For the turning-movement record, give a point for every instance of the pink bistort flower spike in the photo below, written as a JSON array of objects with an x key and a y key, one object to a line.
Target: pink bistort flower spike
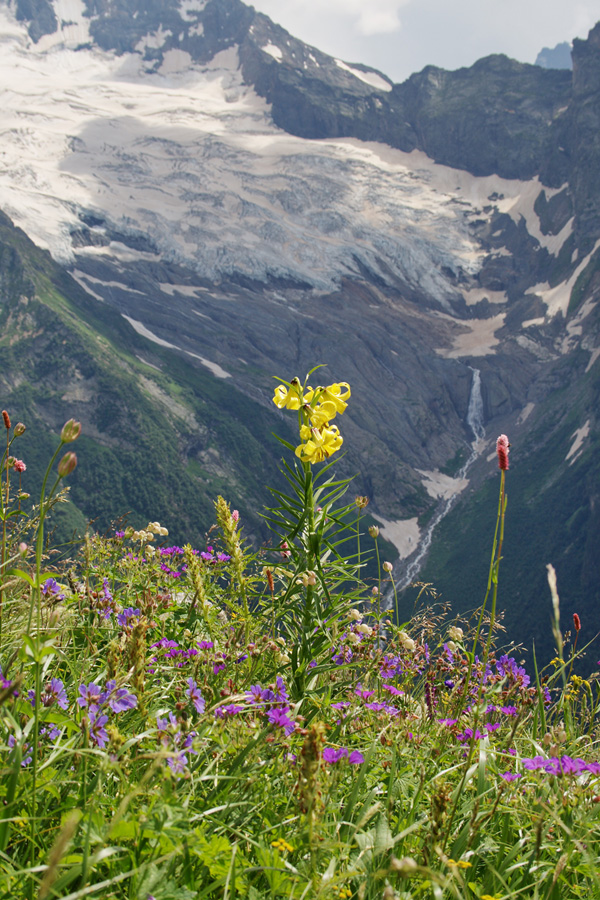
[{"x": 502, "y": 448}]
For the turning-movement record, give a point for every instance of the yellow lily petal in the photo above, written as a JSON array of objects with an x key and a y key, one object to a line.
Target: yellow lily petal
[{"x": 287, "y": 397}]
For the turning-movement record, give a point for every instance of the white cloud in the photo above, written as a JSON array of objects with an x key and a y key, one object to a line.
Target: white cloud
[{"x": 366, "y": 18}]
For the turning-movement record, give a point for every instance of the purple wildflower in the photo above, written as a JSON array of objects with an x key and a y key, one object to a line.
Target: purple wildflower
[
  {"x": 279, "y": 718},
  {"x": 90, "y": 695},
  {"x": 510, "y": 776},
  {"x": 26, "y": 760},
  {"x": 127, "y": 614},
  {"x": 119, "y": 699},
  {"x": 254, "y": 695},
  {"x": 98, "y": 732},
  {"x": 193, "y": 692},
  {"x": 51, "y": 588},
  {"x": 177, "y": 762},
  {"x": 223, "y": 712}
]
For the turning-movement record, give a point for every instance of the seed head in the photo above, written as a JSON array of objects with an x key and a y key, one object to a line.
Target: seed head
[
  {"x": 576, "y": 622},
  {"x": 6, "y": 418}
]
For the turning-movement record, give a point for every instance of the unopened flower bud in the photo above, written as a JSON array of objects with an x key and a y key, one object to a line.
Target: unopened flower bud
[
  {"x": 451, "y": 646},
  {"x": 235, "y": 515},
  {"x": 387, "y": 567},
  {"x": 19, "y": 429},
  {"x": 373, "y": 531},
  {"x": 364, "y": 629},
  {"x": 361, "y": 502},
  {"x": 70, "y": 431},
  {"x": 353, "y": 638},
  {"x": 22, "y": 548},
  {"x": 576, "y": 622},
  {"x": 6, "y": 418},
  {"x": 67, "y": 464},
  {"x": 455, "y": 633},
  {"x": 354, "y": 614},
  {"x": 10, "y": 462},
  {"x": 375, "y": 590}
]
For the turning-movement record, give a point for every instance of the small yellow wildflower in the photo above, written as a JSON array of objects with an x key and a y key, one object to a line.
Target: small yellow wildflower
[
  {"x": 344, "y": 893},
  {"x": 281, "y": 845},
  {"x": 460, "y": 864},
  {"x": 489, "y": 897}
]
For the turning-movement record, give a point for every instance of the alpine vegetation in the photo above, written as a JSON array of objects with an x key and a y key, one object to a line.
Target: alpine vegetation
[{"x": 222, "y": 721}]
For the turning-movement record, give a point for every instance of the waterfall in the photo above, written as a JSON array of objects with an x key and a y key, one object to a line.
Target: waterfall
[
  {"x": 476, "y": 424},
  {"x": 475, "y": 409}
]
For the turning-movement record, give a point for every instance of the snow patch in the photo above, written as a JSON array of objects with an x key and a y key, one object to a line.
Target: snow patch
[
  {"x": 187, "y": 290},
  {"x": 145, "y": 332},
  {"x": 442, "y": 486},
  {"x": 524, "y": 414},
  {"x": 73, "y": 26},
  {"x": 403, "y": 534},
  {"x": 594, "y": 354},
  {"x": 557, "y": 298},
  {"x": 175, "y": 61},
  {"x": 153, "y": 41},
  {"x": 370, "y": 78},
  {"x": 475, "y": 295},
  {"x": 273, "y": 51},
  {"x": 477, "y": 339},
  {"x": 214, "y": 367},
  {"x": 189, "y": 9},
  {"x": 576, "y": 447}
]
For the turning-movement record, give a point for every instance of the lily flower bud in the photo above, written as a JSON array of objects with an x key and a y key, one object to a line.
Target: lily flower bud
[
  {"x": 70, "y": 431},
  {"x": 67, "y": 464}
]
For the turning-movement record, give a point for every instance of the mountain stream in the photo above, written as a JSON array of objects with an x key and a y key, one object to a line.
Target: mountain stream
[{"x": 475, "y": 423}]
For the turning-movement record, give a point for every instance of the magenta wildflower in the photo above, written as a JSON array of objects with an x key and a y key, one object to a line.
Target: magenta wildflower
[
  {"x": 502, "y": 449},
  {"x": 510, "y": 776},
  {"x": 332, "y": 756},
  {"x": 392, "y": 689}
]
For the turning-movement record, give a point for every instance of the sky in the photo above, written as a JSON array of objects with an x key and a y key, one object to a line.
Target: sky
[{"x": 400, "y": 37}]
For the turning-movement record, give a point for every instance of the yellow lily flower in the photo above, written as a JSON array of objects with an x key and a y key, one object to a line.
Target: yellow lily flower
[
  {"x": 320, "y": 445},
  {"x": 290, "y": 398},
  {"x": 322, "y": 414},
  {"x": 336, "y": 394}
]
